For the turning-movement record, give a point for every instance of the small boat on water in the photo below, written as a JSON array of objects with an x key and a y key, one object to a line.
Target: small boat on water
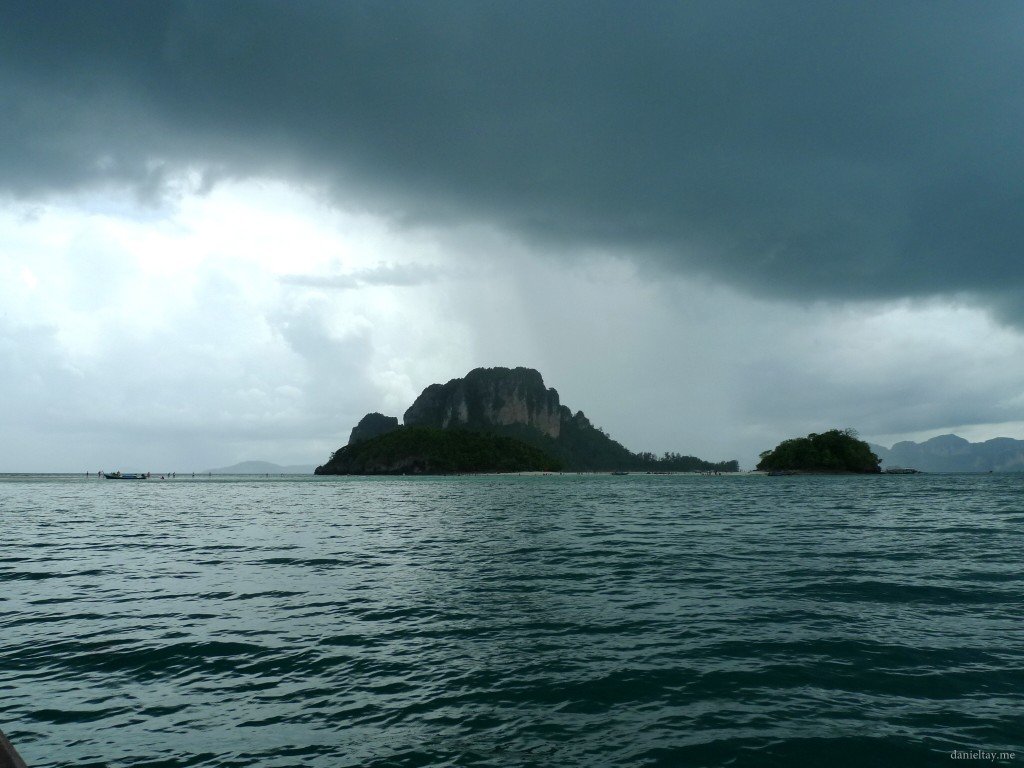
[{"x": 125, "y": 476}]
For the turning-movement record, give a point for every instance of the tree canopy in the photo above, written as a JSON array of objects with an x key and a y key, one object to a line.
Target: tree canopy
[
  {"x": 425, "y": 450},
  {"x": 837, "y": 450}
]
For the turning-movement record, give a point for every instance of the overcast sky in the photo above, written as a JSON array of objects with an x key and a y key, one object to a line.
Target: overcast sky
[{"x": 230, "y": 229}]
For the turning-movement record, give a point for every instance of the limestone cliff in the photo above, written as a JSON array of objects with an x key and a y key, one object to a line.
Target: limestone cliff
[{"x": 490, "y": 397}]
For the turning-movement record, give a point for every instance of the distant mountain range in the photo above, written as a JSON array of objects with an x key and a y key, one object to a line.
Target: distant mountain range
[
  {"x": 262, "y": 468},
  {"x": 951, "y": 453}
]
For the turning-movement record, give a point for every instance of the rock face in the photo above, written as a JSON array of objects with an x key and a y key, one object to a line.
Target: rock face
[
  {"x": 372, "y": 425},
  {"x": 490, "y": 397}
]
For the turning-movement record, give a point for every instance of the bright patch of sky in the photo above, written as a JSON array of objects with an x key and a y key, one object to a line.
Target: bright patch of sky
[{"x": 257, "y": 321}]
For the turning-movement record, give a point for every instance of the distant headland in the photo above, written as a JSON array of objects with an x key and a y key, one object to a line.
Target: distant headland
[
  {"x": 260, "y": 468},
  {"x": 951, "y": 453},
  {"x": 494, "y": 420}
]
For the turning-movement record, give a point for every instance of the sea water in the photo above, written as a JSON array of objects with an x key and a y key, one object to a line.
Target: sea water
[{"x": 561, "y": 620}]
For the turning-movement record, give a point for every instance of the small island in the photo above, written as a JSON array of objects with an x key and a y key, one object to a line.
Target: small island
[
  {"x": 494, "y": 420},
  {"x": 835, "y": 451}
]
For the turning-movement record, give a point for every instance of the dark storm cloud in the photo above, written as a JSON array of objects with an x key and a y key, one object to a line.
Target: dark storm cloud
[{"x": 796, "y": 149}]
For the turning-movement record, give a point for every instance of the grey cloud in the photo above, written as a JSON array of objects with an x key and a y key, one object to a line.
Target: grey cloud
[
  {"x": 183, "y": 397},
  {"x": 862, "y": 150},
  {"x": 394, "y": 275},
  {"x": 926, "y": 394}
]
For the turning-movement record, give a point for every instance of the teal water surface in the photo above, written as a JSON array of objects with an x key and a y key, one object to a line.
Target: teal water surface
[{"x": 512, "y": 620}]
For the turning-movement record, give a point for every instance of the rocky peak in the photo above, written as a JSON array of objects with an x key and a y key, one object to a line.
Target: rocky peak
[
  {"x": 947, "y": 444},
  {"x": 372, "y": 425},
  {"x": 489, "y": 397}
]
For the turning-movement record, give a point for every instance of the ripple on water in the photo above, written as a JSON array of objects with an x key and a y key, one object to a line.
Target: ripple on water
[{"x": 661, "y": 620}]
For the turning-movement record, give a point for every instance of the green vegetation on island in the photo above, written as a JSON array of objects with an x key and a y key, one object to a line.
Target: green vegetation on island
[
  {"x": 582, "y": 447},
  {"x": 430, "y": 451},
  {"x": 837, "y": 450}
]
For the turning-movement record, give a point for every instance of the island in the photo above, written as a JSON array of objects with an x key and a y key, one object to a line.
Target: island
[
  {"x": 494, "y": 420},
  {"x": 835, "y": 451}
]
